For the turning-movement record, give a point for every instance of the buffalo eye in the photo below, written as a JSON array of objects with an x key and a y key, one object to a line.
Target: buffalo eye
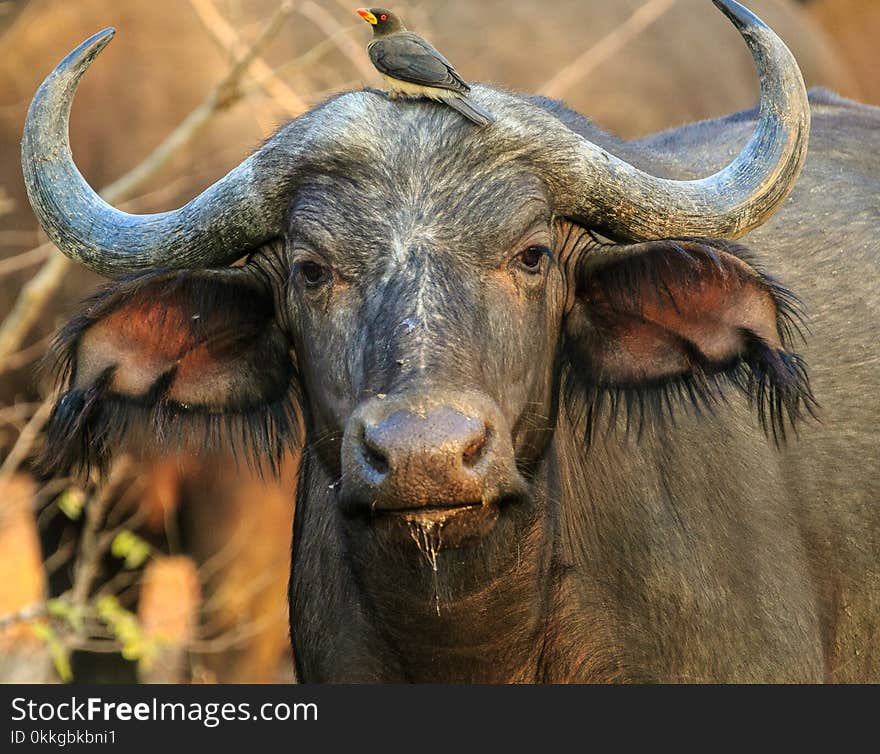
[
  {"x": 531, "y": 260},
  {"x": 312, "y": 274}
]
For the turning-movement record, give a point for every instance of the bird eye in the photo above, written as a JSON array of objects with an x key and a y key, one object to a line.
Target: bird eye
[
  {"x": 383, "y": 17},
  {"x": 530, "y": 260},
  {"x": 313, "y": 274}
]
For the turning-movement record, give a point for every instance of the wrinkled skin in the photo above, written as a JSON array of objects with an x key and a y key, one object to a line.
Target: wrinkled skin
[{"x": 417, "y": 295}]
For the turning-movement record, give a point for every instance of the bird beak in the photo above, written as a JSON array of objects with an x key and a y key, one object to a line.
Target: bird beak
[{"x": 367, "y": 16}]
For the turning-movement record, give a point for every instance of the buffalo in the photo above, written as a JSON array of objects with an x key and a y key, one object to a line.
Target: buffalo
[
  {"x": 559, "y": 424},
  {"x": 648, "y": 84}
]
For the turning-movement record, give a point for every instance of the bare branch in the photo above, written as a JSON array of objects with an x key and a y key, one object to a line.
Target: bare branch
[
  {"x": 27, "y": 355},
  {"x": 17, "y": 412},
  {"x": 30, "y": 612},
  {"x": 25, "y": 259},
  {"x": 29, "y": 305},
  {"x": 7, "y": 204},
  {"x": 225, "y": 94},
  {"x": 93, "y": 545},
  {"x": 584, "y": 65},
  {"x": 58, "y": 558},
  {"x": 239, "y": 634},
  {"x": 26, "y": 439},
  {"x": 308, "y": 58},
  {"x": 223, "y": 33},
  {"x": 332, "y": 28}
]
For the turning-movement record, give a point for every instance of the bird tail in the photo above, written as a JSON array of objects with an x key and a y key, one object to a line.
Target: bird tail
[{"x": 470, "y": 110}]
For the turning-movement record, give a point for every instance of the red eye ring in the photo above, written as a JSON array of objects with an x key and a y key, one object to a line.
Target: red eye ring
[{"x": 383, "y": 17}]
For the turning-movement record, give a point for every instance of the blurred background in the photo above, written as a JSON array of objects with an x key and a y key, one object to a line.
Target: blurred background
[{"x": 175, "y": 569}]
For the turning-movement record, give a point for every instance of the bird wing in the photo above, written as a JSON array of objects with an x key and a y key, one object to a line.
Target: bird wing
[{"x": 407, "y": 57}]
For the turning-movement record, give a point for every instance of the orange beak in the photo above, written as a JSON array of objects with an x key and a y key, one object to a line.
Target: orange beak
[{"x": 367, "y": 16}]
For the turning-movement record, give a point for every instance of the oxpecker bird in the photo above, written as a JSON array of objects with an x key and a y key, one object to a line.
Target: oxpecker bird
[{"x": 413, "y": 68}]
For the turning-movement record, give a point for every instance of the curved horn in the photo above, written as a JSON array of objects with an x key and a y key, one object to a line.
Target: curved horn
[
  {"x": 218, "y": 226},
  {"x": 599, "y": 189}
]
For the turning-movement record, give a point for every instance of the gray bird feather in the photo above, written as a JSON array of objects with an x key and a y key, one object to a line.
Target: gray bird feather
[{"x": 407, "y": 57}]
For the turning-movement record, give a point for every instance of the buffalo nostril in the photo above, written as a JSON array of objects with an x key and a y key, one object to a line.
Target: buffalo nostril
[
  {"x": 476, "y": 448},
  {"x": 374, "y": 455}
]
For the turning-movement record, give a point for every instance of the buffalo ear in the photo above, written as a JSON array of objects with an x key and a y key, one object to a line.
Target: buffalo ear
[
  {"x": 193, "y": 361},
  {"x": 663, "y": 321}
]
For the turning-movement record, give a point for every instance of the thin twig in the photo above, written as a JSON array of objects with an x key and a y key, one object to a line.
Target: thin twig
[
  {"x": 26, "y": 439},
  {"x": 25, "y": 259},
  {"x": 7, "y": 204},
  {"x": 27, "y": 355},
  {"x": 37, "y": 292},
  {"x": 258, "y": 585},
  {"x": 582, "y": 66},
  {"x": 93, "y": 546},
  {"x": 354, "y": 51},
  {"x": 225, "y": 94},
  {"x": 29, "y": 304},
  {"x": 17, "y": 412},
  {"x": 307, "y": 59},
  {"x": 30, "y": 612},
  {"x": 59, "y": 557},
  {"x": 237, "y": 635},
  {"x": 223, "y": 33}
]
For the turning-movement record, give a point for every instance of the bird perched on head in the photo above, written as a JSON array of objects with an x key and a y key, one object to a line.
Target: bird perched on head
[{"x": 413, "y": 68}]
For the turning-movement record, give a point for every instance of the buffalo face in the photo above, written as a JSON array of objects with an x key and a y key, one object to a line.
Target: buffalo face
[{"x": 427, "y": 332}]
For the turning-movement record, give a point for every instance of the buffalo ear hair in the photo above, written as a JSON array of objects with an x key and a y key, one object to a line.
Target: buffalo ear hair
[
  {"x": 192, "y": 362},
  {"x": 661, "y": 326}
]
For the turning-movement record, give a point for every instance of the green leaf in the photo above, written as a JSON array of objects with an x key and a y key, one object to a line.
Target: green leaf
[
  {"x": 125, "y": 627},
  {"x": 58, "y": 608},
  {"x": 61, "y": 661},
  {"x": 57, "y": 650},
  {"x": 107, "y": 606},
  {"x": 138, "y": 554},
  {"x": 121, "y": 544},
  {"x": 71, "y": 503},
  {"x": 43, "y": 631},
  {"x": 70, "y": 614},
  {"x": 129, "y": 547}
]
